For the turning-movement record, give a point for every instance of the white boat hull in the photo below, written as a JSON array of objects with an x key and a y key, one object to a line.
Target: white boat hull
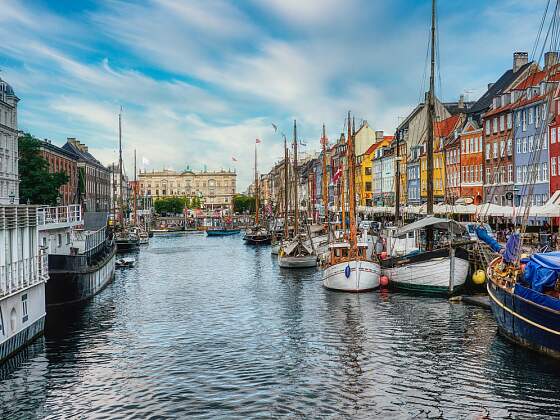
[
  {"x": 306, "y": 261},
  {"x": 361, "y": 276},
  {"x": 429, "y": 276},
  {"x": 274, "y": 249}
]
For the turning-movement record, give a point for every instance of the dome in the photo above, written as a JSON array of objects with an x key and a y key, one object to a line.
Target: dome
[{"x": 6, "y": 88}]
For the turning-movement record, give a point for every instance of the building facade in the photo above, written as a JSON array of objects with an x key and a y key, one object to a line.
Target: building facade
[
  {"x": 61, "y": 160},
  {"x": 452, "y": 168},
  {"x": 472, "y": 162},
  {"x": 95, "y": 189},
  {"x": 9, "y": 184},
  {"x": 215, "y": 189}
]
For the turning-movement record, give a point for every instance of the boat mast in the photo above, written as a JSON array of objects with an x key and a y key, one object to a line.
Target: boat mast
[
  {"x": 351, "y": 185},
  {"x": 286, "y": 195},
  {"x": 256, "y": 190},
  {"x": 324, "y": 178},
  {"x": 398, "y": 183},
  {"x": 121, "y": 215},
  {"x": 430, "y": 119},
  {"x": 296, "y": 204},
  {"x": 134, "y": 190}
]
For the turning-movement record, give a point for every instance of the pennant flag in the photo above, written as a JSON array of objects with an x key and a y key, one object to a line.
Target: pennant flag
[
  {"x": 337, "y": 175},
  {"x": 257, "y": 141},
  {"x": 275, "y": 127},
  {"x": 233, "y": 158}
]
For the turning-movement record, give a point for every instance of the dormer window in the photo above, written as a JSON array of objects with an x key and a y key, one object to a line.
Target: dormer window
[{"x": 529, "y": 93}]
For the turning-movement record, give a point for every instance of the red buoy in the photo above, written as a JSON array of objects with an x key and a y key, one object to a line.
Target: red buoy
[{"x": 384, "y": 281}]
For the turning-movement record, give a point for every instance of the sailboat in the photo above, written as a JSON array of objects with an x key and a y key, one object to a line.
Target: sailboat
[
  {"x": 257, "y": 234},
  {"x": 125, "y": 239},
  {"x": 436, "y": 269},
  {"x": 348, "y": 267},
  {"x": 297, "y": 252}
]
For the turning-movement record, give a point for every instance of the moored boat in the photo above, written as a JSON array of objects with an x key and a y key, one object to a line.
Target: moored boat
[
  {"x": 526, "y": 306},
  {"x": 222, "y": 232}
]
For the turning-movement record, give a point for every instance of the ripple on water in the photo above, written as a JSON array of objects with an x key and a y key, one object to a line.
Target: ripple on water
[{"x": 212, "y": 328}]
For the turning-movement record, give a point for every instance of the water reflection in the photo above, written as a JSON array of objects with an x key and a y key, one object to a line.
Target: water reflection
[{"x": 210, "y": 327}]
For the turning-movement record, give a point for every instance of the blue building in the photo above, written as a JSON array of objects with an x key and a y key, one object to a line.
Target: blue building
[
  {"x": 413, "y": 175},
  {"x": 531, "y": 141}
]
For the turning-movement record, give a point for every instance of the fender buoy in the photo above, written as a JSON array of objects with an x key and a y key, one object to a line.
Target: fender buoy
[{"x": 347, "y": 271}]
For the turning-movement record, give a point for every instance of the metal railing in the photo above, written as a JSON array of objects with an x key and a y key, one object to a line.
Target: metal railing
[
  {"x": 23, "y": 273},
  {"x": 61, "y": 214}
]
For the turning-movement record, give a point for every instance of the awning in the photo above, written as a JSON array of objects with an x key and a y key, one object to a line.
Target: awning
[{"x": 435, "y": 222}]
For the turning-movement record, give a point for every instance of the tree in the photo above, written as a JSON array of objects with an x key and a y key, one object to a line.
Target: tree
[
  {"x": 173, "y": 205},
  {"x": 243, "y": 203},
  {"x": 37, "y": 184}
]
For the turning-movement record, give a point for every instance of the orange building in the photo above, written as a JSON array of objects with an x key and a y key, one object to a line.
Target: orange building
[{"x": 472, "y": 162}]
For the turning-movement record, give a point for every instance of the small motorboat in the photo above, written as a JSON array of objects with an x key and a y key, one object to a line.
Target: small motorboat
[
  {"x": 125, "y": 262},
  {"x": 222, "y": 232}
]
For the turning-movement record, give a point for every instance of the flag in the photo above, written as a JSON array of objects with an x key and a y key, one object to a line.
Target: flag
[
  {"x": 257, "y": 141},
  {"x": 145, "y": 161},
  {"x": 275, "y": 127},
  {"x": 337, "y": 175},
  {"x": 233, "y": 158}
]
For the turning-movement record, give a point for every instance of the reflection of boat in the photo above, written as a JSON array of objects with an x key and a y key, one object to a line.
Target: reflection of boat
[
  {"x": 527, "y": 307},
  {"x": 125, "y": 262},
  {"x": 222, "y": 232}
]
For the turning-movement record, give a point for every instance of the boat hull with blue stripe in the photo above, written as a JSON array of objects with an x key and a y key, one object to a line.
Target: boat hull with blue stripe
[
  {"x": 222, "y": 232},
  {"x": 525, "y": 316}
]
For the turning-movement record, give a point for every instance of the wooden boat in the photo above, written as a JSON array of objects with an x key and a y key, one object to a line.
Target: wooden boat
[
  {"x": 222, "y": 232},
  {"x": 348, "y": 268},
  {"x": 525, "y": 313},
  {"x": 125, "y": 262},
  {"x": 442, "y": 271},
  {"x": 298, "y": 251}
]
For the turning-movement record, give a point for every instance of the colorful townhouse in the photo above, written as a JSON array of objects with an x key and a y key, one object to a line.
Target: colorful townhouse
[
  {"x": 471, "y": 162},
  {"x": 366, "y": 173},
  {"x": 554, "y": 148},
  {"x": 413, "y": 175},
  {"x": 531, "y": 140},
  {"x": 452, "y": 148}
]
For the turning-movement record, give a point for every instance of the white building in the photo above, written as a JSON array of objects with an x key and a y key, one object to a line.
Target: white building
[{"x": 9, "y": 186}]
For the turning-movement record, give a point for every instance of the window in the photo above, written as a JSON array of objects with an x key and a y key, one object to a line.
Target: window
[
  {"x": 545, "y": 171},
  {"x": 59, "y": 239},
  {"x": 510, "y": 173},
  {"x": 472, "y": 174},
  {"x": 488, "y": 175},
  {"x": 502, "y": 122},
  {"x": 67, "y": 238},
  {"x": 553, "y": 135},
  {"x": 518, "y": 146},
  {"x": 518, "y": 119},
  {"x": 531, "y": 146},
  {"x": 518, "y": 174},
  {"x": 524, "y": 174},
  {"x": 509, "y": 148},
  {"x": 368, "y": 170},
  {"x": 531, "y": 112},
  {"x": 524, "y": 120},
  {"x": 537, "y": 116},
  {"x": 495, "y": 150},
  {"x": 553, "y": 166},
  {"x": 24, "y": 313},
  {"x": 368, "y": 186},
  {"x": 524, "y": 148},
  {"x": 545, "y": 141},
  {"x": 480, "y": 173},
  {"x": 487, "y": 150},
  {"x": 502, "y": 148},
  {"x": 487, "y": 126},
  {"x": 480, "y": 143},
  {"x": 509, "y": 122},
  {"x": 495, "y": 125}
]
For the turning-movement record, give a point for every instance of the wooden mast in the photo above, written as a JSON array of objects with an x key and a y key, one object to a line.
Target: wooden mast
[
  {"x": 296, "y": 175},
  {"x": 134, "y": 190},
  {"x": 286, "y": 195},
  {"x": 325, "y": 186},
  {"x": 256, "y": 189},
  {"x": 121, "y": 215},
  {"x": 398, "y": 182},
  {"x": 351, "y": 185},
  {"x": 430, "y": 128}
]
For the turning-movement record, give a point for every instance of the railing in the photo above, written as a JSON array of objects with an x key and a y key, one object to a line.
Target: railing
[
  {"x": 92, "y": 241},
  {"x": 23, "y": 273},
  {"x": 60, "y": 214}
]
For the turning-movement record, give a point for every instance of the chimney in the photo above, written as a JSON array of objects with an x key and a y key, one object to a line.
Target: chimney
[
  {"x": 461, "y": 103},
  {"x": 550, "y": 59},
  {"x": 490, "y": 85},
  {"x": 520, "y": 58},
  {"x": 378, "y": 136}
]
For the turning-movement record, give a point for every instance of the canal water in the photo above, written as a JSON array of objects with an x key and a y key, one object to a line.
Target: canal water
[{"x": 212, "y": 328}]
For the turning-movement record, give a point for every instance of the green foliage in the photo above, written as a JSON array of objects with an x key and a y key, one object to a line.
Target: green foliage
[
  {"x": 37, "y": 184},
  {"x": 243, "y": 203},
  {"x": 195, "y": 203},
  {"x": 171, "y": 205}
]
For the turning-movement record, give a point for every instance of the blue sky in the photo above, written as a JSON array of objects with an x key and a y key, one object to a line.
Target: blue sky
[{"x": 199, "y": 80}]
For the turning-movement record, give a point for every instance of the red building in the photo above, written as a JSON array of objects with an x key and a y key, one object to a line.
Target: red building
[
  {"x": 61, "y": 160},
  {"x": 554, "y": 148},
  {"x": 452, "y": 149}
]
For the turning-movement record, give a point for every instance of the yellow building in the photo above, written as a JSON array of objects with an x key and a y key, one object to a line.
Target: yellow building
[
  {"x": 364, "y": 176},
  {"x": 442, "y": 129}
]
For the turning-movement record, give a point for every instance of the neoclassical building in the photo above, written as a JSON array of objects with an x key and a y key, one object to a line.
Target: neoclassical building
[
  {"x": 216, "y": 189},
  {"x": 9, "y": 185}
]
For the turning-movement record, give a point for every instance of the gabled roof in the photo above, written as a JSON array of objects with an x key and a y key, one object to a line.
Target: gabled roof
[
  {"x": 445, "y": 128},
  {"x": 532, "y": 79},
  {"x": 469, "y": 126},
  {"x": 81, "y": 155},
  {"x": 497, "y": 88}
]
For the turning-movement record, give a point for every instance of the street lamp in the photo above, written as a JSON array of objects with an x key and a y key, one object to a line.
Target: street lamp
[{"x": 12, "y": 197}]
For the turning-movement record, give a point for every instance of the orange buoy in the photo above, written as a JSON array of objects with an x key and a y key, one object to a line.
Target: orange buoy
[{"x": 384, "y": 281}]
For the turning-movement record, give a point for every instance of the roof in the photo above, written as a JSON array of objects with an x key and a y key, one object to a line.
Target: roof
[
  {"x": 532, "y": 79},
  {"x": 445, "y": 128},
  {"x": 385, "y": 142},
  {"x": 436, "y": 222},
  {"x": 80, "y": 154},
  {"x": 497, "y": 88},
  {"x": 54, "y": 148}
]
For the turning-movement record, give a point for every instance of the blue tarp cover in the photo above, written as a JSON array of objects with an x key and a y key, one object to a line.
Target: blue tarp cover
[
  {"x": 542, "y": 270},
  {"x": 538, "y": 298},
  {"x": 483, "y": 235},
  {"x": 512, "y": 248}
]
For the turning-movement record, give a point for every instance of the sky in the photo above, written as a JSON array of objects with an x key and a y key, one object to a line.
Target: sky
[{"x": 200, "y": 80}]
